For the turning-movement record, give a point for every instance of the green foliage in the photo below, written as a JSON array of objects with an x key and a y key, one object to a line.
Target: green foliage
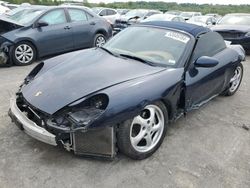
[{"x": 205, "y": 8}]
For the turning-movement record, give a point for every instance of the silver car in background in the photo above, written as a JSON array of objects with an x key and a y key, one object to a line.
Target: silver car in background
[
  {"x": 164, "y": 17},
  {"x": 108, "y": 13}
]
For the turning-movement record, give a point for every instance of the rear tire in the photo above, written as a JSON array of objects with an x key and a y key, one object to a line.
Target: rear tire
[
  {"x": 235, "y": 81},
  {"x": 99, "y": 40},
  {"x": 24, "y": 53},
  {"x": 140, "y": 137}
]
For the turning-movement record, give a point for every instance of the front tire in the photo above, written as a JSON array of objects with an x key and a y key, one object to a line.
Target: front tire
[
  {"x": 23, "y": 53},
  {"x": 140, "y": 137},
  {"x": 235, "y": 81}
]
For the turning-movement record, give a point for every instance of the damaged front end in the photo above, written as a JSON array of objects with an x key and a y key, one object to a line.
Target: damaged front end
[
  {"x": 69, "y": 127},
  {"x": 5, "y": 46},
  {"x": 6, "y": 26}
]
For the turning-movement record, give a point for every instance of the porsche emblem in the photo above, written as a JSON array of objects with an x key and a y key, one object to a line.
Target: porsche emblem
[{"x": 38, "y": 93}]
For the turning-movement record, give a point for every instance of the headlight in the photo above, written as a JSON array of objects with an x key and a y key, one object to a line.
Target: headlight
[
  {"x": 84, "y": 112},
  {"x": 247, "y": 34}
]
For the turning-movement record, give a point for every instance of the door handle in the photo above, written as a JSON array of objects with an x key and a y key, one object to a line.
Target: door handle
[
  {"x": 92, "y": 23},
  {"x": 67, "y": 27}
]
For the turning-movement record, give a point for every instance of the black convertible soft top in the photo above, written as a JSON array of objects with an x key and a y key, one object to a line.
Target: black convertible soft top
[{"x": 192, "y": 29}]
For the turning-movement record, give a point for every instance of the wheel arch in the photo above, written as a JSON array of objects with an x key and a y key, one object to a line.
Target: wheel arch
[
  {"x": 29, "y": 40},
  {"x": 101, "y": 31}
]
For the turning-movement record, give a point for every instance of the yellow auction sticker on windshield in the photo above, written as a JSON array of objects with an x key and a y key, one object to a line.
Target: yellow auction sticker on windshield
[{"x": 177, "y": 36}]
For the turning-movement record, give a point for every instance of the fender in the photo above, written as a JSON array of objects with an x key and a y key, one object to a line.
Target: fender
[{"x": 129, "y": 98}]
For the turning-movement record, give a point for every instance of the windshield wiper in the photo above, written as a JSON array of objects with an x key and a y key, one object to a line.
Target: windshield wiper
[
  {"x": 110, "y": 52},
  {"x": 138, "y": 59}
]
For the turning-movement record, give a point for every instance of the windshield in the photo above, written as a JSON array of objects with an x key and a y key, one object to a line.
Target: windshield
[
  {"x": 235, "y": 20},
  {"x": 134, "y": 13},
  {"x": 14, "y": 11},
  {"x": 26, "y": 16},
  {"x": 159, "y": 46}
]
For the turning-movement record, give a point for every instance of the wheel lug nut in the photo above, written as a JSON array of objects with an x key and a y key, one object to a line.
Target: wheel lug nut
[{"x": 148, "y": 121}]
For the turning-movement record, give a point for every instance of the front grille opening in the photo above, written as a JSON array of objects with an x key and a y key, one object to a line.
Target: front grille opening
[{"x": 33, "y": 114}]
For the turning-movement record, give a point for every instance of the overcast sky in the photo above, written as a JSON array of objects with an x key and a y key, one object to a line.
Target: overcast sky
[{"x": 226, "y": 2}]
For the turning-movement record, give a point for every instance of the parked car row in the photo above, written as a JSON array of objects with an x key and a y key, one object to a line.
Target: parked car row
[
  {"x": 35, "y": 32},
  {"x": 28, "y": 33}
]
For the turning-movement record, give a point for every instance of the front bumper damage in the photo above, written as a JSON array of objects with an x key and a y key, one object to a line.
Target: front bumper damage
[
  {"x": 5, "y": 48},
  {"x": 3, "y": 58},
  {"x": 97, "y": 142}
]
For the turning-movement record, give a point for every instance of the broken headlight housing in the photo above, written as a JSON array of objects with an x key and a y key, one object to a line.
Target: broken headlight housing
[{"x": 82, "y": 112}]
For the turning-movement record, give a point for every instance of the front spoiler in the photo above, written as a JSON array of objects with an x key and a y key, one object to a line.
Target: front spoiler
[{"x": 29, "y": 126}]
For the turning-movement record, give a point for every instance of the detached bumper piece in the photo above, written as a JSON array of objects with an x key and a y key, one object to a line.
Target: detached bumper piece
[
  {"x": 97, "y": 142},
  {"x": 29, "y": 126}
]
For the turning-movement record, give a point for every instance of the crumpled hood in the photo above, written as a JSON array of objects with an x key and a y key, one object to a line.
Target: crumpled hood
[
  {"x": 7, "y": 25},
  {"x": 242, "y": 28},
  {"x": 87, "y": 72}
]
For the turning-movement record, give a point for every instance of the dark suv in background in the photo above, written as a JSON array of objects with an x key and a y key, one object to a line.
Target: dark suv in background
[{"x": 235, "y": 28}]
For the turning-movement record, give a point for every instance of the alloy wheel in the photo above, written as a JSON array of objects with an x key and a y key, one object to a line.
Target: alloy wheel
[
  {"x": 100, "y": 41},
  {"x": 236, "y": 79},
  {"x": 24, "y": 53},
  {"x": 147, "y": 129}
]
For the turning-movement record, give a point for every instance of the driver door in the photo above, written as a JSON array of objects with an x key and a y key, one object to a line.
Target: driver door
[
  {"x": 203, "y": 83},
  {"x": 57, "y": 37}
]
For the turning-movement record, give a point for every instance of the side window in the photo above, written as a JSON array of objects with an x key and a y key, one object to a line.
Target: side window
[
  {"x": 77, "y": 15},
  {"x": 208, "y": 44},
  {"x": 111, "y": 12},
  {"x": 103, "y": 13},
  {"x": 54, "y": 17}
]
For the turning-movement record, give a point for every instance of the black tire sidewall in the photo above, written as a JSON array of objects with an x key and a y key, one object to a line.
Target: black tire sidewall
[
  {"x": 123, "y": 137},
  {"x": 16, "y": 61}
]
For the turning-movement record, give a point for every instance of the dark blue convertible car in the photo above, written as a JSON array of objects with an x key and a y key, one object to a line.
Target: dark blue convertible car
[
  {"x": 39, "y": 31},
  {"x": 122, "y": 96}
]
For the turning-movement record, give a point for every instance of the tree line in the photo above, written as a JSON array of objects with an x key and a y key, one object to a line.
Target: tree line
[{"x": 163, "y": 6}]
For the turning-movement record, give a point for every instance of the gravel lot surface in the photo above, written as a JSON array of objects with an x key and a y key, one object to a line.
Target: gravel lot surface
[{"x": 210, "y": 147}]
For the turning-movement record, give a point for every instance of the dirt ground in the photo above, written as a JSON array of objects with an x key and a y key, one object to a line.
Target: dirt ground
[{"x": 208, "y": 148}]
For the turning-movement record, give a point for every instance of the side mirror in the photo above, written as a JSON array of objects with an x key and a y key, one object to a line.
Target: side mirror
[
  {"x": 206, "y": 62},
  {"x": 41, "y": 24}
]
